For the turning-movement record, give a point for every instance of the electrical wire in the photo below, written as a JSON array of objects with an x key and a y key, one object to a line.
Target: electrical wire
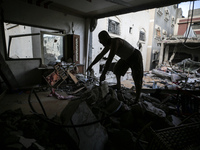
[
  {"x": 45, "y": 117},
  {"x": 190, "y": 47},
  {"x": 190, "y": 22},
  {"x": 187, "y": 21}
]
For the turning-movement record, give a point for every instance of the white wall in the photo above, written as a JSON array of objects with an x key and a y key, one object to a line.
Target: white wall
[{"x": 34, "y": 15}]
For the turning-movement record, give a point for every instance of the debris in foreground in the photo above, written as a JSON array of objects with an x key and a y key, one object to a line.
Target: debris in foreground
[{"x": 104, "y": 118}]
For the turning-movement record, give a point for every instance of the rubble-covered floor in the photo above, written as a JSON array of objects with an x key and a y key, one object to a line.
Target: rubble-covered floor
[
  {"x": 19, "y": 99},
  {"x": 89, "y": 116},
  {"x": 99, "y": 119}
]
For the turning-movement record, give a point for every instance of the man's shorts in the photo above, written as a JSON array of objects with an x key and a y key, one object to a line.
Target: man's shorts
[
  {"x": 134, "y": 62},
  {"x": 121, "y": 67}
]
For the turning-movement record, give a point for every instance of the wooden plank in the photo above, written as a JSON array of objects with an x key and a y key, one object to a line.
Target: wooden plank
[{"x": 72, "y": 76}]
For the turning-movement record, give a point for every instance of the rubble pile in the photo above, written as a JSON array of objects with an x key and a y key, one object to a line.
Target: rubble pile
[
  {"x": 101, "y": 117},
  {"x": 131, "y": 121},
  {"x": 183, "y": 75},
  {"x": 19, "y": 131}
]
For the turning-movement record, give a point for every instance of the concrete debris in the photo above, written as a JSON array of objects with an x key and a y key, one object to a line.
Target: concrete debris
[
  {"x": 61, "y": 97},
  {"x": 183, "y": 75},
  {"x": 104, "y": 118},
  {"x": 19, "y": 131},
  {"x": 28, "y": 142},
  {"x": 153, "y": 109},
  {"x": 90, "y": 137}
]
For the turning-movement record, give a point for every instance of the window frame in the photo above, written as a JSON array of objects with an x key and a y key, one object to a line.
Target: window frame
[
  {"x": 158, "y": 32},
  {"x": 117, "y": 26},
  {"x": 7, "y": 48},
  {"x": 144, "y": 36},
  {"x": 10, "y": 41},
  {"x": 42, "y": 41}
]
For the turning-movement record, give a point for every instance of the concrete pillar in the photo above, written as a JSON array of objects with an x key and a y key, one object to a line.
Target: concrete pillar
[
  {"x": 166, "y": 55},
  {"x": 161, "y": 54}
]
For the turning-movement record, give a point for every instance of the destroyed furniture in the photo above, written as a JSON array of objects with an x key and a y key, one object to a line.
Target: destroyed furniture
[
  {"x": 60, "y": 74},
  {"x": 185, "y": 137}
]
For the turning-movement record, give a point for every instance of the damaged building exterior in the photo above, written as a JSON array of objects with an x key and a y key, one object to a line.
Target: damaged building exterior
[
  {"x": 144, "y": 30},
  {"x": 162, "y": 24},
  {"x": 185, "y": 43},
  {"x": 49, "y": 101}
]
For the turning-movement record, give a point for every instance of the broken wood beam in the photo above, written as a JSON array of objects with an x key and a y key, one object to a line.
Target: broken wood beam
[{"x": 161, "y": 73}]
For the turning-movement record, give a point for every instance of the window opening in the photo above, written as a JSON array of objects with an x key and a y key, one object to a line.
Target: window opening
[
  {"x": 158, "y": 35},
  {"x": 113, "y": 27},
  {"x": 196, "y": 25},
  {"x": 23, "y": 42},
  {"x": 142, "y": 36},
  {"x": 52, "y": 48}
]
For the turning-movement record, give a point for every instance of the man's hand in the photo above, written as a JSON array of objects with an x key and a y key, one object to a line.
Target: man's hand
[
  {"x": 102, "y": 78},
  {"x": 89, "y": 68}
]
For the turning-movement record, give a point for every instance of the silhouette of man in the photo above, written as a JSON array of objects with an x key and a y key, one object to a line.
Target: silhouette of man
[{"x": 129, "y": 58}]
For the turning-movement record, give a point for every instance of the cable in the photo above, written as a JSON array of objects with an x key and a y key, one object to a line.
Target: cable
[
  {"x": 40, "y": 103},
  {"x": 30, "y": 104},
  {"x": 190, "y": 47},
  {"x": 190, "y": 22},
  {"x": 183, "y": 43},
  {"x": 61, "y": 125},
  {"x": 187, "y": 21}
]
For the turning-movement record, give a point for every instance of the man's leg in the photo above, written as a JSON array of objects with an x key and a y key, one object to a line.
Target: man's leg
[
  {"x": 137, "y": 72},
  {"x": 137, "y": 78},
  {"x": 118, "y": 86}
]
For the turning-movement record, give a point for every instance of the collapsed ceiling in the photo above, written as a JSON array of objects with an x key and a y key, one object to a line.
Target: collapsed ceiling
[{"x": 101, "y": 8}]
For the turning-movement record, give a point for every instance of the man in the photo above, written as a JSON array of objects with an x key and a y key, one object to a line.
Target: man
[{"x": 130, "y": 58}]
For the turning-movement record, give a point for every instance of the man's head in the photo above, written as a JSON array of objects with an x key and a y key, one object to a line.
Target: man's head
[{"x": 104, "y": 38}]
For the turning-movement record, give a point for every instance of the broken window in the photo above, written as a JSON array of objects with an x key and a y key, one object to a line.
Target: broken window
[
  {"x": 159, "y": 11},
  {"x": 166, "y": 15},
  {"x": 113, "y": 27},
  {"x": 173, "y": 21},
  {"x": 164, "y": 33},
  {"x": 19, "y": 41},
  {"x": 158, "y": 35},
  {"x": 52, "y": 48},
  {"x": 23, "y": 42},
  {"x": 196, "y": 25},
  {"x": 142, "y": 35}
]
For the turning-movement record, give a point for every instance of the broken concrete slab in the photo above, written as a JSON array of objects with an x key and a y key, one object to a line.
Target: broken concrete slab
[{"x": 93, "y": 136}]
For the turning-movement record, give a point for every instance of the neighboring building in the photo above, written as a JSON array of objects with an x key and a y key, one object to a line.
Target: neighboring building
[
  {"x": 162, "y": 24},
  {"x": 184, "y": 23},
  {"x": 185, "y": 43}
]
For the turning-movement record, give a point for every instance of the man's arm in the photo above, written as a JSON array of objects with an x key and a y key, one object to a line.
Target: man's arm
[
  {"x": 104, "y": 51},
  {"x": 114, "y": 47}
]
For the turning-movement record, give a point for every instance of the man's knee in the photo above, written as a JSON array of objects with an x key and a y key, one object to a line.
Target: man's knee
[{"x": 120, "y": 68}]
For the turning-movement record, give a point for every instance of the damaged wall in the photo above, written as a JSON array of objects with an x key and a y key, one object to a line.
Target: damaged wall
[
  {"x": 183, "y": 52},
  {"x": 174, "y": 50},
  {"x": 19, "y": 12},
  {"x": 161, "y": 25}
]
